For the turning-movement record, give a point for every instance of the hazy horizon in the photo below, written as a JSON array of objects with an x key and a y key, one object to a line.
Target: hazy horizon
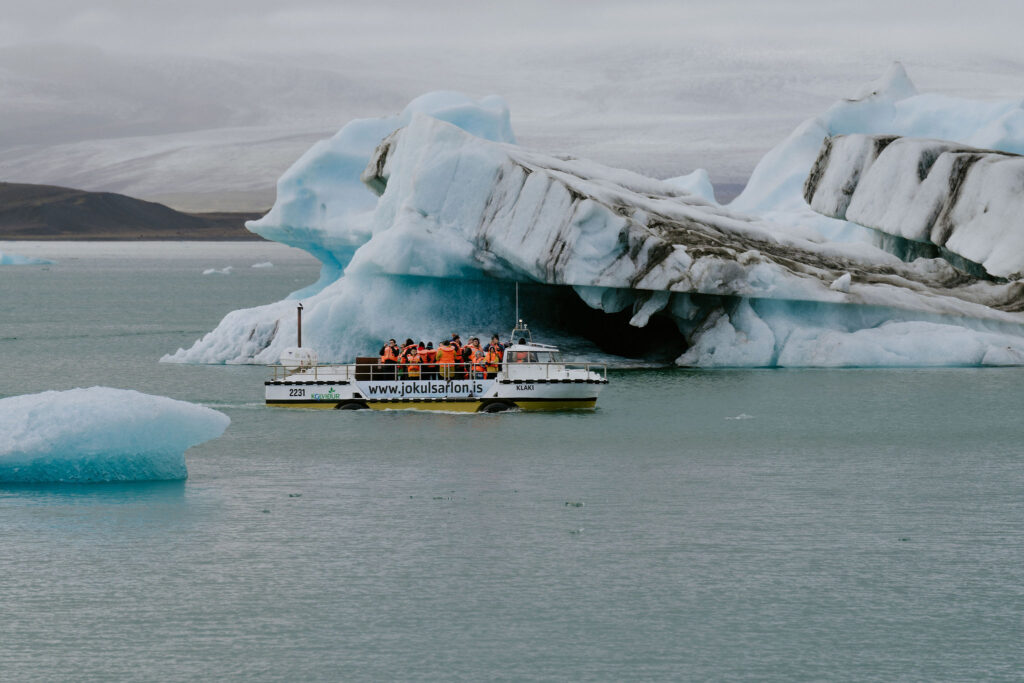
[{"x": 205, "y": 104}]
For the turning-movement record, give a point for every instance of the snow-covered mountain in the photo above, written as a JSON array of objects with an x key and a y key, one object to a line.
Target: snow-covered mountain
[{"x": 763, "y": 282}]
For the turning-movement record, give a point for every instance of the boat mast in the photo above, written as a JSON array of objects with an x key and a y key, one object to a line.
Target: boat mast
[
  {"x": 520, "y": 329},
  {"x": 517, "y": 302}
]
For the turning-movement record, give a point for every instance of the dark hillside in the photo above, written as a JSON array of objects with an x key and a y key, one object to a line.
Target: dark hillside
[{"x": 45, "y": 212}]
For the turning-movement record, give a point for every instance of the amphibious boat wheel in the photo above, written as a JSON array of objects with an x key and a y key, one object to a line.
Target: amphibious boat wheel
[
  {"x": 351, "y": 405},
  {"x": 497, "y": 407}
]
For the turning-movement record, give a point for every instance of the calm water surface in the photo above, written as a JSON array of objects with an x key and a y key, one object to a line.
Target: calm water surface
[{"x": 736, "y": 525}]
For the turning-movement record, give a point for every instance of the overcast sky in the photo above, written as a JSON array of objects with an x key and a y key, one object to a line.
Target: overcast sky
[
  {"x": 106, "y": 93},
  {"x": 978, "y": 27}
]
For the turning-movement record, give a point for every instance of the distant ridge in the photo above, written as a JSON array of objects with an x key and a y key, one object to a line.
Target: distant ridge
[{"x": 46, "y": 212}]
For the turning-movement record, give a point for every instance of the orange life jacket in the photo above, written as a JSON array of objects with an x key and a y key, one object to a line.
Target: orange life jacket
[
  {"x": 493, "y": 357},
  {"x": 389, "y": 355},
  {"x": 521, "y": 356},
  {"x": 413, "y": 364},
  {"x": 445, "y": 355},
  {"x": 478, "y": 358}
]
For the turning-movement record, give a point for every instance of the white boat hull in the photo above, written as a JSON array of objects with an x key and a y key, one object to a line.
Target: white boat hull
[{"x": 337, "y": 387}]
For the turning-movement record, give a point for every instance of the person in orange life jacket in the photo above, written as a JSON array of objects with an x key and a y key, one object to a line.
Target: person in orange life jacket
[
  {"x": 419, "y": 348},
  {"x": 495, "y": 344},
  {"x": 465, "y": 355},
  {"x": 400, "y": 370},
  {"x": 411, "y": 359},
  {"x": 429, "y": 356},
  {"x": 492, "y": 357},
  {"x": 478, "y": 369},
  {"x": 459, "y": 369},
  {"x": 446, "y": 359},
  {"x": 496, "y": 351},
  {"x": 390, "y": 353},
  {"x": 521, "y": 356},
  {"x": 390, "y": 357}
]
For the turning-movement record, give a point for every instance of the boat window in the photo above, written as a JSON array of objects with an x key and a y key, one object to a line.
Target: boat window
[
  {"x": 520, "y": 356},
  {"x": 515, "y": 356}
]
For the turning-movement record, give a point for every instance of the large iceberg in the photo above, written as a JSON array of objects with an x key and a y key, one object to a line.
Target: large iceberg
[
  {"x": 766, "y": 281},
  {"x": 100, "y": 434}
]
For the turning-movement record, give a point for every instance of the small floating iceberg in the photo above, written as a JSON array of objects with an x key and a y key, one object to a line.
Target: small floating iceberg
[
  {"x": 9, "y": 259},
  {"x": 264, "y": 264},
  {"x": 100, "y": 434},
  {"x": 226, "y": 270}
]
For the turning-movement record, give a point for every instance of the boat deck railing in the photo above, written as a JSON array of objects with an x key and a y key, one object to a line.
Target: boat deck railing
[{"x": 376, "y": 372}]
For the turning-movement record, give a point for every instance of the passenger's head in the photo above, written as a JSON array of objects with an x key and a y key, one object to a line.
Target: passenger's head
[
  {"x": 494, "y": 337},
  {"x": 408, "y": 342},
  {"x": 391, "y": 342},
  {"x": 430, "y": 345},
  {"x": 522, "y": 340}
]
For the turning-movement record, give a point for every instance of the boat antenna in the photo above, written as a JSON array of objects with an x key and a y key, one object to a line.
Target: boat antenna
[
  {"x": 299, "y": 311},
  {"x": 517, "y": 302},
  {"x": 520, "y": 329}
]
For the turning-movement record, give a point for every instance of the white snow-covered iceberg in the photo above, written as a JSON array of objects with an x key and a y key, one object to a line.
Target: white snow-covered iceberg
[
  {"x": 892, "y": 106},
  {"x": 100, "y": 434},
  {"x": 457, "y": 207},
  {"x": 460, "y": 215},
  {"x": 323, "y": 208},
  {"x": 9, "y": 259},
  {"x": 969, "y": 201}
]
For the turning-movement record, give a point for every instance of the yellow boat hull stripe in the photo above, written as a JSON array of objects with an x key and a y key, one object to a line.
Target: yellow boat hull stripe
[{"x": 452, "y": 406}]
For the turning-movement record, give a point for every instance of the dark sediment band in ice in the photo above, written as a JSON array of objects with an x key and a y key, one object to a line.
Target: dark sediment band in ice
[{"x": 968, "y": 201}]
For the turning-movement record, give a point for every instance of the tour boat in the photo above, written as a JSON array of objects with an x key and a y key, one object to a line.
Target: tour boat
[{"x": 531, "y": 376}]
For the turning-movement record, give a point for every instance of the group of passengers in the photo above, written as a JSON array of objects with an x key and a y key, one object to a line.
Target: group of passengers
[{"x": 450, "y": 360}]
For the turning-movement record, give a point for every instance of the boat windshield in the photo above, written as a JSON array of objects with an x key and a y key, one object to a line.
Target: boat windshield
[{"x": 514, "y": 356}]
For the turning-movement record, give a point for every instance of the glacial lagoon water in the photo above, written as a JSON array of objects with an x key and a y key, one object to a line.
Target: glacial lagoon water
[{"x": 729, "y": 525}]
